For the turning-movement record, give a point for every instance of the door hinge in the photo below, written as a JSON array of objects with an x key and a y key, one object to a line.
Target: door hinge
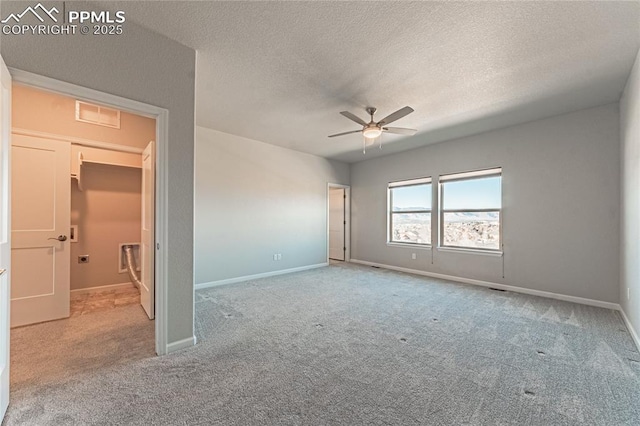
[
  {"x": 344, "y": 249},
  {"x": 344, "y": 222},
  {"x": 157, "y": 246}
]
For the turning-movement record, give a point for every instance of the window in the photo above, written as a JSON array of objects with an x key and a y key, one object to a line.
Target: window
[
  {"x": 410, "y": 212},
  {"x": 470, "y": 206}
]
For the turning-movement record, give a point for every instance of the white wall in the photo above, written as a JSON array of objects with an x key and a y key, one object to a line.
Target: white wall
[
  {"x": 147, "y": 67},
  {"x": 561, "y": 204},
  {"x": 630, "y": 241},
  {"x": 253, "y": 200}
]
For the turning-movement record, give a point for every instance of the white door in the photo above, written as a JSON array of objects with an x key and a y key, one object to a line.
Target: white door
[
  {"x": 40, "y": 221},
  {"x": 5, "y": 234},
  {"x": 147, "y": 248},
  {"x": 336, "y": 223}
]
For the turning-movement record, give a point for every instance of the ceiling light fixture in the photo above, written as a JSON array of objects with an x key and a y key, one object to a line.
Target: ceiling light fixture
[{"x": 372, "y": 132}]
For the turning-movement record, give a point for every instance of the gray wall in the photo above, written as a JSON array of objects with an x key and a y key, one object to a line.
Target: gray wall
[
  {"x": 630, "y": 244},
  {"x": 149, "y": 68},
  {"x": 560, "y": 196},
  {"x": 253, "y": 200}
]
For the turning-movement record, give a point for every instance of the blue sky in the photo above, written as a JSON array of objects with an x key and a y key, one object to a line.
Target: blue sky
[
  {"x": 412, "y": 196},
  {"x": 483, "y": 193}
]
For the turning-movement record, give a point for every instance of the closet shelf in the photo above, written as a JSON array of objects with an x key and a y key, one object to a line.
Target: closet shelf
[{"x": 82, "y": 156}]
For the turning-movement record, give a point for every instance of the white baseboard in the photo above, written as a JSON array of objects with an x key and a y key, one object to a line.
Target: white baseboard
[
  {"x": 101, "y": 288},
  {"x": 632, "y": 331},
  {"x": 532, "y": 292},
  {"x": 181, "y": 344},
  {"x": 257, "y": 276}
]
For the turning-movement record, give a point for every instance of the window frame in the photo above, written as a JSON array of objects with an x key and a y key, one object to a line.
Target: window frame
[
  {"x": 466, "y": 176},
  {"x": 404, "y": 184}
]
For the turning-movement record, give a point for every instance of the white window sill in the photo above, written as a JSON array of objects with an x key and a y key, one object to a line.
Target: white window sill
[
  {"x": 409, "y": 245},
  {"x": 471, "y": 251}
]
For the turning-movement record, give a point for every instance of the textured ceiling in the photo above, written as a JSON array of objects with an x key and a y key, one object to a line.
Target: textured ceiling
[{"x": 280, "y": 72}]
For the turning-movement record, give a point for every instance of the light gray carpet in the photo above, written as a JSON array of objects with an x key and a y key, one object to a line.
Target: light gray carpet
[
  {"x": 351, "y": 345},
  {"x": 55, "y": 352}
]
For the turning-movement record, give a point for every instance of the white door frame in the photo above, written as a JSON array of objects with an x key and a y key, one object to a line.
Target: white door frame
[
  {"x": 161, "y": 115},
  {"x": 347, "y": 218},
  {"x": 147, "y": 222},
  {"x": 5, "y": 237}
]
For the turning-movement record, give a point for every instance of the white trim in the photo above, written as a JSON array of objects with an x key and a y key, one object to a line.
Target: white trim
[
  {"x": 410, "y": 245},
  {"x": 347, "y": 218},
  {"x": 258, "y": 276},
  {"x": 632, "y": 331},
  {"x": 5, "y": 245},
  {"x": 76, "y": 141},
  {"x": 162, "y": 234},
  {"x": 193, "y": 230},
  {"x": 410, "y": 182},
  {"x": 181, "y": 344},
  {"x": 100, "y": 288},
  {"x": 488, "y": 252},
  {"x": 161, "y": 116},
  {"x": 495, "y": 171},
  {"x": 532, "y": 292}
]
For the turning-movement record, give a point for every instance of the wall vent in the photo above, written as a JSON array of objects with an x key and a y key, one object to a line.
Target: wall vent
[{"x": 96, "y": 114}]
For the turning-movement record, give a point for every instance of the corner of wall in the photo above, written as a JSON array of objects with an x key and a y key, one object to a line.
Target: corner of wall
[{"x": 630, "y": 202}]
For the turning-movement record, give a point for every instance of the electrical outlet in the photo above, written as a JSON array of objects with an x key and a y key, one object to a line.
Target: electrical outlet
[
  {"x": 275, "y": 257},
  {"x": 413, "y": 256},
  {"x": 84, "y": 258},
  {"x": 279, "y": 256}
]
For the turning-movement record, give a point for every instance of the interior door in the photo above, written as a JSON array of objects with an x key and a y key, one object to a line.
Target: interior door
[
  {"x": 147, "y": 246},
  {"x": 336, "y": 223},
  {"x": 5, "y": 234},
  {"x": 40, "y": 222}
]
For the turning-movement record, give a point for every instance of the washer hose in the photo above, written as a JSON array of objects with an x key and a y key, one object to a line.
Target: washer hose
[{"x": 131, "y": 266}]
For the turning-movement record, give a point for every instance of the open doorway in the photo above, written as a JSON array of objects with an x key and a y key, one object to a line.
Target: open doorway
[
  {"x": 160, "y": 199},
  {"x": 338, "y": 223},
  {"x": 80, "y": 174},
  {"x": 159, "y": 243},
  {"x": 82, "y": 248}
]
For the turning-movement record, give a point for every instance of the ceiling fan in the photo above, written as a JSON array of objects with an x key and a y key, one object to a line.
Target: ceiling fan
[{"x": 372, "y": 129}]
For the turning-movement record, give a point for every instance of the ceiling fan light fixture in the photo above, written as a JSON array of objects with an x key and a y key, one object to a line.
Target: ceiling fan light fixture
[{"x": 372, "y": 132}]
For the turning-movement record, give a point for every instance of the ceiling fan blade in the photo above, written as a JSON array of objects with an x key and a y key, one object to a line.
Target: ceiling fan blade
[
  {"x": 399, "y": 130},
  {"x": 354, "y": 118},
  {"x": 395, "y": 116},
  {"x": 345, "y": 133}
]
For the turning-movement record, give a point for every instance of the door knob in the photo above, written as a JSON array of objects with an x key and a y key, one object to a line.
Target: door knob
[{"x": 59, "y": 238}]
